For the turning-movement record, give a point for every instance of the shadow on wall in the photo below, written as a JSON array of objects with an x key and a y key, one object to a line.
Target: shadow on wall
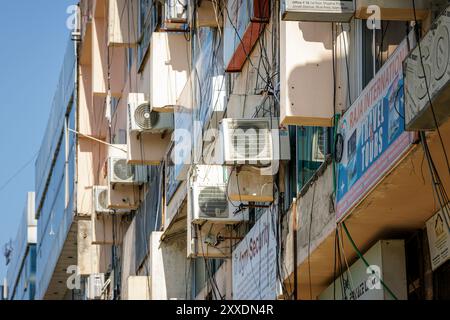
[
  {"x": 310, "y": 83},
  {"x": 178, "y": 48}
]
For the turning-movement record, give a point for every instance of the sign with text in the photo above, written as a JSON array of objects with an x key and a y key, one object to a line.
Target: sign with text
[
  {"x": 434, "y": 84},
  {"x": 387, "y": 262},
  {"x": 255, "y": 262},
  {"x": 438, "y": 239},
  {"x": 317, "y": 10},
  {"x": 374, "y": 134}
]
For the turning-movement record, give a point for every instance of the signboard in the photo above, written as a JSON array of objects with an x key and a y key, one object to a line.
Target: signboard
[
  {"x": 438, "y": 239},
  {"x": 435, "y": 47},
  {"x": 255, "y": 262},
  {"x": 386, "y": 262},
  {"x": 318, "y": 10},
  {"x": 374, "y": 134}
]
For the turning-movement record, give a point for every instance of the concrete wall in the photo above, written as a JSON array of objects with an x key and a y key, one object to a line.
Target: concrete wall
[
  {"x": 314, "y": 203},
  {"x": 166, "y": 265}
]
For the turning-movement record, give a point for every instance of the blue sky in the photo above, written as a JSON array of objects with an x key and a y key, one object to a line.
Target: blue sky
[{"x": 33, "y": 37}]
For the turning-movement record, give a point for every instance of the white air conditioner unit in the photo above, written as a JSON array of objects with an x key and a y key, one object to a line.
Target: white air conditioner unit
[
  {"x": 208, "y": 199},
  {"x": 120, "y": 172},
  {"x": 101, "y": 199},
  {"x": 142, "y": 118},
  {"x": 94, "y": 286},
  {"x": 247, "y": 141},
  {"x": 317, "y": 10}
]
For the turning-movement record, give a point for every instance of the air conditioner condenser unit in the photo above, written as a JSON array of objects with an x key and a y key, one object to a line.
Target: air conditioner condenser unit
[
  {"x": 120, "y": 172},
  {"x": 208, "y": 199},
  {"x": 100, "y": 197},
  {"x": 142, "y": 117},
  {"x": 257, "y": 142}
]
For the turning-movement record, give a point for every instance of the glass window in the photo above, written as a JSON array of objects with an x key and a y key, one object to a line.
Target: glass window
[
  {"x": 387, "y": 39},
  {"x": 148, "y": 18},
  {"x": 313, "y": 145},
  {"x": 206, "y": 269}
]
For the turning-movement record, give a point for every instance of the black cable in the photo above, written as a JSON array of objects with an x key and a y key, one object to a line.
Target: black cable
[{"x": 309, "y": 241}]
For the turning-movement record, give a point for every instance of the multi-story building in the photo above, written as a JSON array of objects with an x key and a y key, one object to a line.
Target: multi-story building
[
  {"x": 54, "y": 183},
  {"x": 249, "y": 150},
  {"x": 21, "y": 274}
]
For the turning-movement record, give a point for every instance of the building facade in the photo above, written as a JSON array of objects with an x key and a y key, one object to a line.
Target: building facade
[
  {"x": 21, "y": 273},
  {"x": 248, "y": 150}
]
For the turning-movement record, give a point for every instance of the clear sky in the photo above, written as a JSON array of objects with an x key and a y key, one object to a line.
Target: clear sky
[{"x": 33, "y": 37}]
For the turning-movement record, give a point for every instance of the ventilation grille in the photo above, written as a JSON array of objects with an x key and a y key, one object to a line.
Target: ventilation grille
[
  {"x": 145, "y": 118},
  {"x": 123, "y": 171},
  {"x": 213, "y": 203},
  {"x": 102, "y": 199},
  {"x": 249, "y": 141}
]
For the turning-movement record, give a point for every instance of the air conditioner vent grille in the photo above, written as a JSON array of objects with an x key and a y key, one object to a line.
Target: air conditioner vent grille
[
  {"x": 123, "y": 171},
  {"x": 213, "y": 202},
  {"x": 103, "y": 199},
  {"x": 145, "y": 118},
  {"x": 250, "y": 141}
]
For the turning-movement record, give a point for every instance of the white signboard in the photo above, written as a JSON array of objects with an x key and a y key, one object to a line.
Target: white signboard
[
  {"x": 254, "y": 262},
  {"x": 335, "y": 6},
  {"x": 386, "y": 262},
  {"x": 438, "y": 239},
  {"x": 317, "y": 10}
]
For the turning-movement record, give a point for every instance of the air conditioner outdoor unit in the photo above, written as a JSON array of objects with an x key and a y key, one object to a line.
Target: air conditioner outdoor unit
[
  {"x": 94, "y": 286},
  {"x": 101, "y": 199},
  {"x": 317, "y": 10},
  {"x": 247, "y": 141},
  {"x": 142, "y": 118},
  {"x": 120, "y": 172},
  {"x": 208, "y": 196}
]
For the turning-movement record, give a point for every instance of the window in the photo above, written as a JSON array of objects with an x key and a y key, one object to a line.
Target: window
[
  {"x": 387, "y": 39},
  {"x": 148, "y": 17},
  {"x": 313, "y": 145},
  {"x": 204, "y": 272}
]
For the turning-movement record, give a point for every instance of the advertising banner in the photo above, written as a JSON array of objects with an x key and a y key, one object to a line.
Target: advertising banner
[
  {"x": 373, "y": 132},
  {"x": 255, "y": 261}
]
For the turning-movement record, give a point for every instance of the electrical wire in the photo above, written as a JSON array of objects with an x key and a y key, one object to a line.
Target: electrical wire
[
  {"x": 361, "y": 256},
  {"x": 18, "y": 172}
]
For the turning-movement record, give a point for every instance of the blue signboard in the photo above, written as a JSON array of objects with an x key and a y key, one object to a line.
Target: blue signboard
[{"x": 374, "y": 134}]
